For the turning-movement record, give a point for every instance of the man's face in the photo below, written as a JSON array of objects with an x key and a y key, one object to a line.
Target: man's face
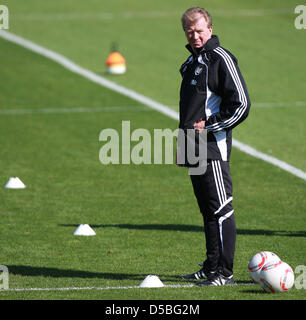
[{"x": 197, "y": 32}]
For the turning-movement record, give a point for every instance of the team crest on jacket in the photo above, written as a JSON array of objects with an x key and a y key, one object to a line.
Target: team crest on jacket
[{"x": 198, "y": 70}]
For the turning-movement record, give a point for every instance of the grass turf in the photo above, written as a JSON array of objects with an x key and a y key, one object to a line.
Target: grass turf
[{"x": 145, "y": 217}]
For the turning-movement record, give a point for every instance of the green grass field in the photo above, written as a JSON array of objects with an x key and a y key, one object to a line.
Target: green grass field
[{"x": 145, "y": 216}]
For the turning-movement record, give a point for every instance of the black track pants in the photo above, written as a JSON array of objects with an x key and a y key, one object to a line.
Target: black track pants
[{"x": 213, "y": 191}]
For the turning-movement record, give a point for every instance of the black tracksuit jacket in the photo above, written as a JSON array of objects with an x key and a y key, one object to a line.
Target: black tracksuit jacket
[{"x": 213, "y": 90}]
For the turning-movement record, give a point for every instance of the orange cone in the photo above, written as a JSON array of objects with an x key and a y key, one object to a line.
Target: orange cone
[{"x": 115, "y": 63}]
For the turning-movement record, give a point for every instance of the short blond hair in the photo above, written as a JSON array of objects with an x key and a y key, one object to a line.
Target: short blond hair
[{"x": 188, "y": 16}]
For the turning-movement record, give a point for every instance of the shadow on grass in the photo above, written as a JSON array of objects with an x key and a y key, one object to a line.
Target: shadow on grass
[
  {"x": 257, "y": 291},
  {"x": 192, "y": 228},
  {"x": 31, "y": 271},
  {"x": 67, "y": 273}
]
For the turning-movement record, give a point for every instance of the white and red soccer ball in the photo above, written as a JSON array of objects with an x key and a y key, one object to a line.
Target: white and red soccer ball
[
  {"x": 276, "y": 277},
  {"x": 258, "y": 261},
  {"x": 273, "y": 275}
]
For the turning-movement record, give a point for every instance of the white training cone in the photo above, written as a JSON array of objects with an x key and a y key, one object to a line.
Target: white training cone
[
  {"x": 15, "y": 183},
  {"x": 151, "y": 281},
  {"x": 84, "y": 230}
]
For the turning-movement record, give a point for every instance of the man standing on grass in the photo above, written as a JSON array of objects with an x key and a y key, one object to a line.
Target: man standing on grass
[{"x": 214, "y": 98}]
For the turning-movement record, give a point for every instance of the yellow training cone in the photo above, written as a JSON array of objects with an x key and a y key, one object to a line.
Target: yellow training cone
[{"x": 115, "y": 63}]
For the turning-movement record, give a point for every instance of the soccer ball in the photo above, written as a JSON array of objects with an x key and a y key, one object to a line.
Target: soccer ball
[
  {"x": 258, "y": 261},
  {"x": 276, "y": 277}
]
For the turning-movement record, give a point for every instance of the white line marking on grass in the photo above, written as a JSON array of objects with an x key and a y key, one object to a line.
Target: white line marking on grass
[
  {"x": 42, "y": 16},
  {"x": 260, "y": 155},
  {"x": 72, "y": 110},
  {"x": 94, "y": 288},
  {"x": 130, "y": 108},
  {"x": 279, "y": 104},
  {"x": 288, "y": 104},
  {"x": 113, "y": 288},
  {"x": 70, "y": 65}
]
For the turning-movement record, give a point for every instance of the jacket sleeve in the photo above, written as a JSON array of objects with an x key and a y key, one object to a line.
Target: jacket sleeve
[{"x": 235, "y": 102}]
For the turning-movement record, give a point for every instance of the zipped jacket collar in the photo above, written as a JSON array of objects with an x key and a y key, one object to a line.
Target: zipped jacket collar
[{"x": 210, "y": 45}]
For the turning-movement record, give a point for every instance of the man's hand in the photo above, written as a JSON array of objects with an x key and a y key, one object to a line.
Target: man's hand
[{"x": 199, "y": 126}]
